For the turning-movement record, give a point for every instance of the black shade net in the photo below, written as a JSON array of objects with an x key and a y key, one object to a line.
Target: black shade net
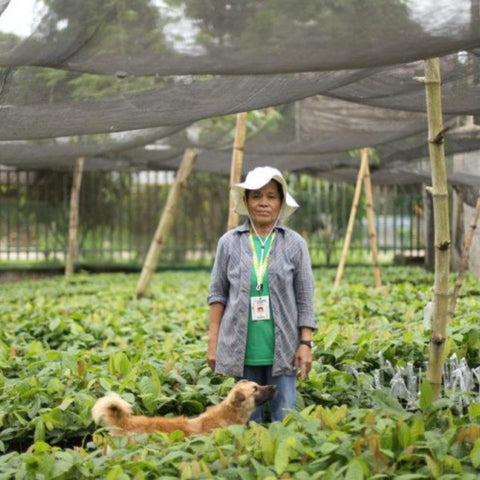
[
  {"x": 123, "y": 83},
  {"x": 141, "y": 37}
]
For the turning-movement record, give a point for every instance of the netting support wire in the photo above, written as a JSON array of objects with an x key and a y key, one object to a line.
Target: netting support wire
[
  {"x": 237, "y": 163},
  {"x": 442, "y": 242},
  {"x": 465, "y": 258},
  {"x": 73, "y": 217},
  {"x": 372, "y": 234},
  {"x": 166, "y": 220},
  {"x": 351, "y": 222}
]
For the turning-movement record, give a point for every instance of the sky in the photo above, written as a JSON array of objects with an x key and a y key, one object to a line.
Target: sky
[{"x": 19, "y": 17}]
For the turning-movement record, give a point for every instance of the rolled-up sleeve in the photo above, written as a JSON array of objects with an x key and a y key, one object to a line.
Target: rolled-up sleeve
[{"x": 304, "y": 286}]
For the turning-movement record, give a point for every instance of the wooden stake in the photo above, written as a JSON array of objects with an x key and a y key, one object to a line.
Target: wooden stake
[
  {"x": 237, "y": 162},
  {"x": 73, "y": 216},
  {"x": 166, "y": 221},
  {"x": 351, "y": 222},
  {"x": 439, "y": 321},
  {"x": 372, "y": 234},
  {"x": 465, "y": 257}
]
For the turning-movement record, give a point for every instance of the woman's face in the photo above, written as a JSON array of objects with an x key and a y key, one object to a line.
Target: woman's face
[{"x": 264, "y": 204}]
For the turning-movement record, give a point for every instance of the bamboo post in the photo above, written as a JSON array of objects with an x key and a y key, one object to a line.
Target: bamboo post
[
  {"x": 166, "y": 221},
  {"x": 439, "y": 192},
  {"x": 372, "y": 234},
  {"x": 465, "y": 257},
  {"x": 237, "y": 162},
  {"x": 350, "y": 225},
  {"x": 73, "y": 216}
]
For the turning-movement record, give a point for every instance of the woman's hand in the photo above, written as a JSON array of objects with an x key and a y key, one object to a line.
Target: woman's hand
[
  {"x": 212, "y": 351},
  {"x": 211, "y": 361},
  {"x": 303, "y": 361}
]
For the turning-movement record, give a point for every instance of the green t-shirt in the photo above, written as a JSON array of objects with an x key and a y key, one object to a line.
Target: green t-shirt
[{"x": 261, "y": 333}]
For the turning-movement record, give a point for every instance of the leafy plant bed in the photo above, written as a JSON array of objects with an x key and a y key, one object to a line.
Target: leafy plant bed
[{"x": 62, "y": 345}]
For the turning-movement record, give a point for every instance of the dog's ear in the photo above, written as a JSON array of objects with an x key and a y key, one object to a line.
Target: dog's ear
[{"x": 239, "y": 397}]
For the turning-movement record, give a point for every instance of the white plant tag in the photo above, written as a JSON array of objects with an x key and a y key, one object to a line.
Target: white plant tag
[{"x": 427, "y": 316}]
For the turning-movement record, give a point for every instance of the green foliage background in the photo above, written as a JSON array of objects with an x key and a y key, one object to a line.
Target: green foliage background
[{"x": 62, "y": 345}]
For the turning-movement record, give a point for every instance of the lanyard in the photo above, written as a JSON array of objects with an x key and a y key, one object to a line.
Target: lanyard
[{"x": 261, "y": 266}]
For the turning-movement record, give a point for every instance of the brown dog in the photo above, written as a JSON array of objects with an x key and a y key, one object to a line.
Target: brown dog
[{"x": 240, "y": 403}]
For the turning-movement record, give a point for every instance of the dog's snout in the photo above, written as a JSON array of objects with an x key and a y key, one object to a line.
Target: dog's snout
[
  {"x": 264, "y": 394},
  {"x": 271, "y": 390}
]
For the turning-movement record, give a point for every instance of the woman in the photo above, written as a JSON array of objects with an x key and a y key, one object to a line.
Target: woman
[{"x": 261, "y": 293}]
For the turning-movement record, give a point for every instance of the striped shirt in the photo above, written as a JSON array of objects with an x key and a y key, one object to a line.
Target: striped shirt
[{"x": 291, "y": 295}]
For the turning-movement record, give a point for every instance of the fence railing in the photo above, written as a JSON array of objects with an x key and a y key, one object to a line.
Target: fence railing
[{"x": 119, "y": 212}]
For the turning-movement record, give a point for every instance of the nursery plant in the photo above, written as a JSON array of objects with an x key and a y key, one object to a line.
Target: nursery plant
[{"x": 64, "y": 344}]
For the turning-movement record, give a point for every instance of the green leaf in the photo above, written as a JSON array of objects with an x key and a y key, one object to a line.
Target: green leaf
[
  {"x": 328, "y": 447},
  {"x": 105, "y": 384},
  {"x": 20, "y": 419},
  {"x": 69, "y": 361},
  {"x": 66, "y": 403},
  {"x": 129, "y": 378},
  {"x": 404, "y": 434},
  {"x": 330, "y": 337},
  {"x": 156, "y": 383},
  {"x": 474, "y": 409},
  {"x": 35, "y": 348},
  {"x": 55, "y": 386},
  {"x": 266, "y": 445},
  {"x": 64, "y": 461},
  {"x": 41, "y": 447},
  {"x": 54, "y": 323},
  {"x": 387, "y": 402},
  {"x": 147, "y": 394},
  {"x": 354, "y": 470},
  {"x": 39, "y": 434},
  {"x": 475, "y": 454},
  {"x": 116, "y": 473},
  {"x": 434, "y": 466},
  {"x": 120, "y": 363},
  {"x": 174, "y": 457},
  {"x": 411, "y": 476},
  {"x": 282, "y": 456},
  {"x": 452, "y": 463},
  {"x": 418, "y": 429},
  {"x": 262, "y": 471}
]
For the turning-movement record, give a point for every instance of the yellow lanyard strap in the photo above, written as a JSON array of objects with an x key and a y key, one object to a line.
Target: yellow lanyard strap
[{"x": 261, "y": 266}]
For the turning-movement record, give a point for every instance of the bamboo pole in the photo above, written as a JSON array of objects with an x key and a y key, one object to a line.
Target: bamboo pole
[
  {"x": 465, "y": 257},
  {"x": 439, "y": 192},
  {"x": 166, "y": 221},
  {"x": 73, "y": 216},
  {"x": 350, "y": 225},
  {"x": 372, "y": 234},
  {"x": 237, "y": 163}
]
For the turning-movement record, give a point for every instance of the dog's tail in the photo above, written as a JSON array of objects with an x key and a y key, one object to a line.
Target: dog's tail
[{"x": 111, "y": 410}]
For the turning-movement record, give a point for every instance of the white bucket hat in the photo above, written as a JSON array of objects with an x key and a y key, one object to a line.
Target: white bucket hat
[{"x": 256, "y": 179}]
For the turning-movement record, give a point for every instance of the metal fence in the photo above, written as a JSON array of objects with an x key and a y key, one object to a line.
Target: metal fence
[
  {"x": 326, "y": 208},
  {"x": 119, "y": 212}
]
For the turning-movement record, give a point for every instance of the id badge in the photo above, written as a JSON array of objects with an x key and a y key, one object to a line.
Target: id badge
[{"x": 260, "y": 307}]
